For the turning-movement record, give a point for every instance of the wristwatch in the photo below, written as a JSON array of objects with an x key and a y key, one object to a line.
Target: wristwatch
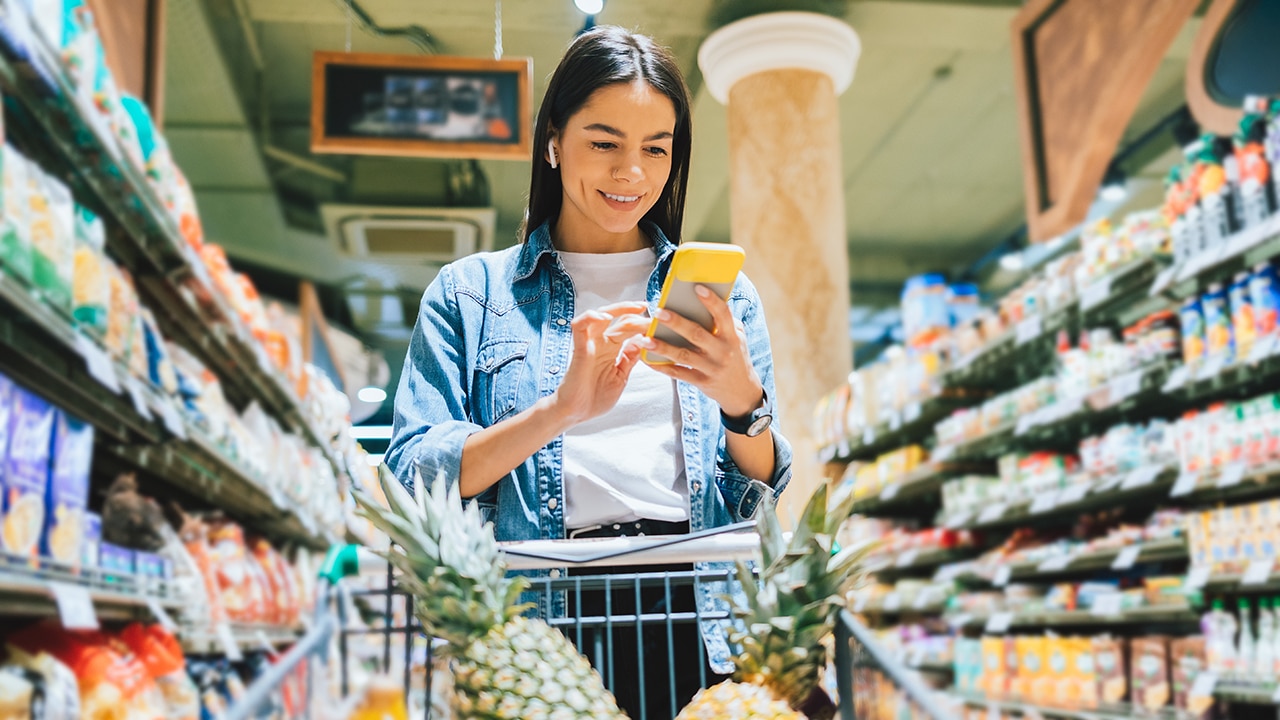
[{"x": 753, "y": 424}]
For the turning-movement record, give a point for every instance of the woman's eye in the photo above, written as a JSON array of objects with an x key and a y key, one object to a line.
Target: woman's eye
[
  {"x": 603, "y": 145},
  {"x": 656, "y": 151}
]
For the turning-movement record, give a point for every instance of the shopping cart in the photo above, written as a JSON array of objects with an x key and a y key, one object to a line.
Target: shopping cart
[{"x": 868, "y": 680}]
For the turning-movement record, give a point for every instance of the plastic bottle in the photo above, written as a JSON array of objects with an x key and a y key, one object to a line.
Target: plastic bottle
[
  {"x": 1275, "y": 639},
  {"x": 1220, "y": 630},
  {"x": 1247, "y": 644},
  {"x": 1264, "y": 653}
]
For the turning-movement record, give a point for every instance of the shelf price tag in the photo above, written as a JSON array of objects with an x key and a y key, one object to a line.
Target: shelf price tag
[
  {"x": 1211, "y": 369},
  {"x": 944, "y": 453},
  {"x": 1095, "y": 294},
  {"x": 869, "y": 436},
  {"x": 139, "y": 400},
  {"x": 1108, "y": 604},
  {"x": 1127, "y": 558},
  {"x": 172, "y": 419},
  {"x": 1186, "y": 484},
  {"x": 161, "y": 615},
  {"x": 1203, "y": 687},
  {"x": 892, "y": 602},
  {"x": 842, "y": 449},
  {"x": 1044, "y": 502},
  {"x": 922, "y": 600},
  {"x": 890, "y": 492},
  {"x": 1176, "y": 379},
  {"x": 1258, "y": 572},
  {"x": 1231, "y": 476},
  {"x": 958, "y": 521},
  {"x": 230, "y": 647},
  {"x": 1003, "y": 573},
  {"x": 1275, "y": 697},
  {"x": 264, "y": 642},
  {"x": 75, "y": 606},
  {"x": 1141, "y": 477},
  {"x": 98, "y": 363},
  {"x": 911, "y": 412},
  {"x": 1028, "y": 330},
  {"x": 1198, "y": 577},
  {"x": 1126, "y": 386},
  {"x": 907, "y": 558},
  {"x": 999, "y": 623},
  {"x": 993, "y": 711},
  {"x": 1262, "y": 349},
  {"x": 991, "y": 513},
  {"x": 1055, "y": 564},
  {"x": 1164, "y": 279},
  {"x": 861, "y": 604},
  {"x": 895, "y": 422},
  {"x": 1073, "y": 494}
]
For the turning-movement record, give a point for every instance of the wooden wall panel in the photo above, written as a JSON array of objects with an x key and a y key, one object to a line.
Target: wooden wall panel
[
  {"x": 133, "y": 37},
  {"x": 1080, "y": 67}
]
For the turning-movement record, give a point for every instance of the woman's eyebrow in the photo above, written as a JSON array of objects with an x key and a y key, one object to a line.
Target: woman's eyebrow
[{"x": 601, "y": 127}]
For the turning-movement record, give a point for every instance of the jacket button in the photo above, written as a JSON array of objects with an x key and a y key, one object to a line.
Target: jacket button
[
  {"x": 697, "y": 486},
  {"x": 561, "y": 322},
  {"x": 555, "y": 573},
  {"x": 553, "y": 503},
  {"x": 554, "y": 369},
  {"x": 689, "y": 417}
]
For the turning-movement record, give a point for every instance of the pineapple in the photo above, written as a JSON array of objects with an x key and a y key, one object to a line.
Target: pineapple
[
  {"x": 504, "y": 665},
  {"x": 788, "y": 614}
]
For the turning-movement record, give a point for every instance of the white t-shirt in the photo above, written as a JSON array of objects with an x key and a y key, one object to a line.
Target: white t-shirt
[{"x": 628, "y": 463}]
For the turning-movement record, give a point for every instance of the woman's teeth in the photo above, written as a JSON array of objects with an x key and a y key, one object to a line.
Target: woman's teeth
[{"x": 622, "y": 198}]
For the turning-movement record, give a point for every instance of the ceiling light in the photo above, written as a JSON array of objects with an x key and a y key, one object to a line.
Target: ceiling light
[
  {"x": 1113, "y": 185},
  {"x": 372, "y": 394},
  {"x": 1012, "y": 262},
  {"x": 590, "y": 7}
]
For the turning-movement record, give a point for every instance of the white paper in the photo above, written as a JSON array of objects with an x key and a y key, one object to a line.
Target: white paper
[
  {"x": 1258, "y": 572},
  {"x": 1186, "y": 484},
  {"x": 1025, "y": 423},
  {"x": 139, "y": 399},
  {"x": 1055, "y": 564},
  {"x": 999, "y": 623},
  {"x": 959, "y": 520},
  {"x": 1176, "y": 380},
  {"x": 890, "y": 491},
  {"x": 1107, "y": 604},
  {"x": 161, "y": 615},
  {"x": 1003, "y": 573},
  {"x": 1073, "y": 494},
  {"x": 1211, "y": 369},
  {"x": 1044, "y": 502},
  {"x": 173, "y": 420},
  {"x": 868, "y": 436},
  {"x": 1127, "y": 558},
  {"x": 1141, "y": 477},
  {"x": 1028, "y": 330},
  {"x": 1205, "y": 684},
  {"x": 1095, "y": 294},
  {"x": 911, "y": 412},
  {"x": 907, "y": 558},
  {"x": 75, "y": 606},
  {"x": 1163, "y": 280},
  {"x": 1126, "y": 386},
  {"x": 991, "y": 513},
  {"x": 1231, "y": 475},
  {"x": 230, "y": 647},
  {"x": 892, "y": 602},
  {"x": 944, "y": 453},
  {"x": 1198, "y": 577},
  {"x": 98, "y": 363},
  {"x": 1263, "y": 348},
  {"x": 895, "y": 422}
]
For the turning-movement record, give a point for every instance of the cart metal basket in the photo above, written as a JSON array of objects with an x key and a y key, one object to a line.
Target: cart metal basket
[{"x": 867, "y": 682}]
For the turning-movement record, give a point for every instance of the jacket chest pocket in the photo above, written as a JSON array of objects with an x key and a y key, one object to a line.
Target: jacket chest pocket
[{"x": 500, "y": 367}]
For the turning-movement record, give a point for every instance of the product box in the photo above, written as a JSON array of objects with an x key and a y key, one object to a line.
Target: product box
[
  {"x": 1110, "y": 662},
  {"x": 6, "y": 409},
  {"x": 1081, "y": 690},
  {"x": 68, "y": 495},
  {"x": 994, "y": 679},
  {"x": 1188, "y": 659},
  {"x": 1055, "y": 685},
  {"x": 1032, "y": 669},
  {"x": 116, "y": 560},
  {"x": 1149, "y": 673},
  {"x": 152, "y": 566},
  {"x": 26, "y": 473},
  {"x": 92, "y": 541}
]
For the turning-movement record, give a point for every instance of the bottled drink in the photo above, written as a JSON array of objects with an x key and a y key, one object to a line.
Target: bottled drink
[{"x": 1246, "y": 646}]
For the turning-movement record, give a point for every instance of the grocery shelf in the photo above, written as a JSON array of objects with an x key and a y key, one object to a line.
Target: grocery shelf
[
  {"x": 1219, "y": 264},
  {"x": 1141, "y": 616},
  {"x": 1238, "y": 481},
  {"x": 42, "y": 351},
  {"x": 248, "y": 637},
  {"x": 171, "y": 279},
  {"x": 1247, "y": 695},
  {"x": 1123, "y": 295},
  {"x": 932, "y": 667},
  {"x": 995, "y": 365},
  {"x": 29, "y": 591},
  {"x": 916, "y": 561},
  {"x": 1258, "y": 372},
  {"x": 1174, "y": 549},
  {"x": 913, "y": 424},
  {"x": 922, "y": 482},
  {"x": 1108, "y": 492},
  {"x": 987, "y": 446},
  {"x": 1119, "y": 712},
  {"x": 928, "y": 603}
]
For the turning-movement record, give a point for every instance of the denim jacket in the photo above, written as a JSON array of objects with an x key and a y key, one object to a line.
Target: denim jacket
[{"x": 492, "y": 337}]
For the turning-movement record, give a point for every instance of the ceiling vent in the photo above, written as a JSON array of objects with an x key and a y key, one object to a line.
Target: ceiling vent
[{"x": 398, "y": 234}]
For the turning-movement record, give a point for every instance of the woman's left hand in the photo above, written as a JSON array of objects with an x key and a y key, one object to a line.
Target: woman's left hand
[{"x": 718, "y": 363}]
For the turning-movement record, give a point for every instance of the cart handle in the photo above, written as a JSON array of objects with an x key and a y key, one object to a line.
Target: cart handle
[{"x": 342, "y": 561}]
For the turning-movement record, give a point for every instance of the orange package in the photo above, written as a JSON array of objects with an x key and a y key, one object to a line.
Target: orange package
[
  {"x": 242, "y": 594},
  {"x": 160, "y": 653},
  {"x": 195, "y": 537}
]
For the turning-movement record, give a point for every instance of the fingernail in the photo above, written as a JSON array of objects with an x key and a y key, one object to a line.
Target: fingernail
[
  {"x": 645, "y": 342},
  {"x": 702, "y": 291},
  {"x": 663, "y": 314}
]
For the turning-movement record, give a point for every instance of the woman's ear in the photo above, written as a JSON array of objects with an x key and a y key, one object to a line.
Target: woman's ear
[{"x": 552, "y": 158}]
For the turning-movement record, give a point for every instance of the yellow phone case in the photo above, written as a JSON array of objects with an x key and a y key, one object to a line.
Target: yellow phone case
[{"x": 715, "y": 265}]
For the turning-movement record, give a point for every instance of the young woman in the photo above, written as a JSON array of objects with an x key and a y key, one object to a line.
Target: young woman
[{"x": 524, "y": 383}]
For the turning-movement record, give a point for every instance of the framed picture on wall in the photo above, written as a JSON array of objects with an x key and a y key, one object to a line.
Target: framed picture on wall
[{"x": 420, "y": 106}]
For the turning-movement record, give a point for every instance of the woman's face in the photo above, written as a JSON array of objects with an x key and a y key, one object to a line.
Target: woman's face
[{"x": 615, "y": 158}]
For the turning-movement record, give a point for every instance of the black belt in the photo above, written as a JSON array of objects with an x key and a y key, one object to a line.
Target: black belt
[{"x": 631, "y": 528}]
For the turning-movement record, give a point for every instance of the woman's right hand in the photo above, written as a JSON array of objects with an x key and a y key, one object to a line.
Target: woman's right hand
[{"x": 605, "y": 350}]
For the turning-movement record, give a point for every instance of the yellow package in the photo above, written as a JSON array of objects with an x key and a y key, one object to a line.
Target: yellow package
[
  {"x": 91, "y": 276},
  {"x": 1031, "y": 668},
  {"x": 120, "y": 314},
  {"x": 992, "y": 680},
  {"x": 50, "y": 213},
  {"x": 1083, "y": 677}
]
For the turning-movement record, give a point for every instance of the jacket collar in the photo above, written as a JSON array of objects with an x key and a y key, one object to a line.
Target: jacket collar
[{"x": 539, "y": 244}]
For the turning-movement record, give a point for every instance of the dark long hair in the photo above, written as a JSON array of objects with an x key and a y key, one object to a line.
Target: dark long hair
[{"x": 604, "y": 56}]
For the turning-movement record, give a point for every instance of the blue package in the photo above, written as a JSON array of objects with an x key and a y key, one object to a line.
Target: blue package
[
  {"x": 92, "y": 541},
  {"x": 26, "y": 473},
  {"x": 68, "y": 495}
]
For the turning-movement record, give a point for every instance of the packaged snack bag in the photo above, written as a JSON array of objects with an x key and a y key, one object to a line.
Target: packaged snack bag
[
  {"x": 1149, "y": 674},
  {"x": 68, "y": 494},
  {"x": 15, "y": 229},
  {"x": 26, "y": 474},
  {"x": 162, "y": 656},
  {"x": 90, "y": 277},
  {"x": 52, "y": 238}
]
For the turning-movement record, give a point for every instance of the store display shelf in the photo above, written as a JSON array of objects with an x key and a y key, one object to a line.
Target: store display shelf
[
  {"x": 1236, "y": 481},
  {"x": 926, "y": 603},
  {"x": 44, "y": 352},
  {"x": 1123, "y": 295},
  {"x": 1241, "y": 251},
  {"x": 1133, "y": 617},
  {"x": 1174, "y": 549},
  {"x": 1247, "y": 694},
  {"x": 1080, "y": 497},
  {"x": 1119, "y": 712},
  {"x": 1258, "y": 372},
  {"x": 995, "y": 364},
  {"x": 171, "y": 278},
  {"x": 987, "y": 446},
  {"x": 922, "y": 482},
  {"x": 32, "y": 591},
  {"x": 913, "y": 424},
  {"x": 932, "y": 667},
  {"x": 247, "y": 637},
  {"x": 916, "y": 561}
]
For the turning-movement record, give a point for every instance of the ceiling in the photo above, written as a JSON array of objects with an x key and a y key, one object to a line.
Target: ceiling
[{"x": 932, "y": 173}]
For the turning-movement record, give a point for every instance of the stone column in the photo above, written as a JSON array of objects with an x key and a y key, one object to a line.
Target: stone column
[{"x": 780, "y": 75}]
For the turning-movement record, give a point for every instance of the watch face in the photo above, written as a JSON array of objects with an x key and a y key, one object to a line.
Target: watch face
[{"x": 759, "y": 425}]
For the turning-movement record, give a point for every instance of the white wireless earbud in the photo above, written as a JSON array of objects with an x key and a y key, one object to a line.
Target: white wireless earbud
[{"x": 551, "y": 151}]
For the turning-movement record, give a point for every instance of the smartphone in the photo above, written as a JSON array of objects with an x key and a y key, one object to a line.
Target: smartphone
[{"x": 715, "y": 265}]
